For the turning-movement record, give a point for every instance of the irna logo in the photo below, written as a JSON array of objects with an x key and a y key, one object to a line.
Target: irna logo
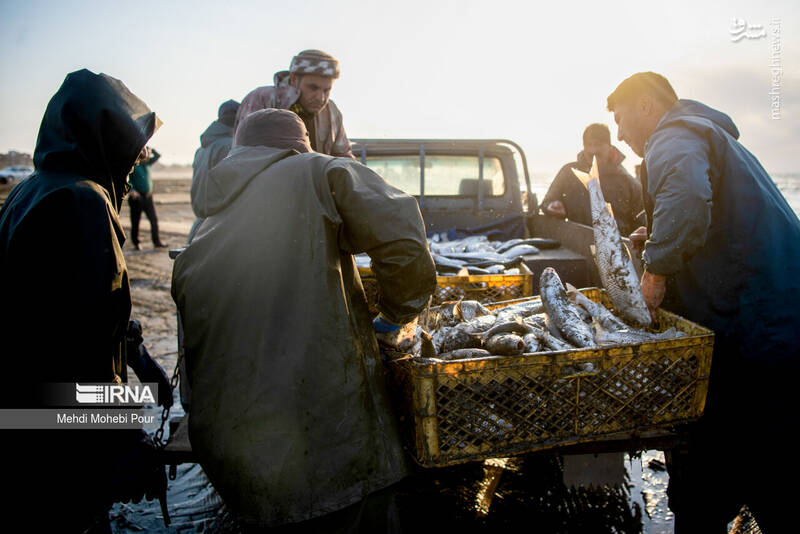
[{"x": 113, "y": 394}]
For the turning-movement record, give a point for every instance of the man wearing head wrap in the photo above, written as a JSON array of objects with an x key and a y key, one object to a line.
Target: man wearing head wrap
[
  {"x": 305, "y": 89},
  {"x": 568, "y": 198},
  {"x": 215, "y": 143},
  {"x": 290, "y": 417},
  {"x": 67, "y": 293}
]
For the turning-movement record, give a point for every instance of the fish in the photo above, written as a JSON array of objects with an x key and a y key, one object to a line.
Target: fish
[
  {"x": 497, "y": 268},
  {"x": 532, "y": 343},
  {"x": 631, "y": 335},
  {"x": 460, "y": 336},
  {"x": 476, "y": 257},
  {"x": 562, "y": 312},
  {"x": 517, "y": 325},
  {"x": 505, "y": 345},
  {"x": 464, "y": 354},
  {"x": 598, "y": 312},
  {"x": 467, "y": 310},
  {"x": 527, "y": 307},
  {"x": 520, "y": 250},
  {"x": 613, "y": 259},
  {"x": 482, "y": 323}
]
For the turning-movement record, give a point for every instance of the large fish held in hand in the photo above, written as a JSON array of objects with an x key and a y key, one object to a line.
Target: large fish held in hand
[{"x": 613, "y": 260}]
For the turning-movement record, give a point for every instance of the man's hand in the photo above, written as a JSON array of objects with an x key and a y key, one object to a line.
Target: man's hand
[
  {"x": 556, "y": 209},
  {"x": 653, "y": 288},
  {"x": 638, "y": 237}
]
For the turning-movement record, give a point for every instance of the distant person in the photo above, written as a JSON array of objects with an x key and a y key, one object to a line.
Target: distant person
[
  {"x": 722, "y": 248},
  {"x": 305, "y": 89},
  {"x": 140, "y": 199},
  {"x": 568, "y": 197},
  {"x": 290, "y": 409},
  {"x": 215, "y": 143},
  {"x": 68, "y": 303}
]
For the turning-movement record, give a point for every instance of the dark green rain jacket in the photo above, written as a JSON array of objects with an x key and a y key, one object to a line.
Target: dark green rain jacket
[
  {"x": 290, "y": 417},
  {"x": 215, "y": 143},
  {"x": 66, "y": 292}
]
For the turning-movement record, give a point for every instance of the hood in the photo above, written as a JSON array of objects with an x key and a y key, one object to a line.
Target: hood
[
  {"x": 215, "y": 131},
  {"x": 585, "y": 163},
  {"x": 94, "y": 127},
  {"x": 688, "y": 109},
  {"x": 280, "y": 78},
  {"x": 232, "y": 175}
]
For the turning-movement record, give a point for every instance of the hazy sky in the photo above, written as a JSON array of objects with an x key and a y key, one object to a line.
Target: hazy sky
[{"x": 467, "y": 69}]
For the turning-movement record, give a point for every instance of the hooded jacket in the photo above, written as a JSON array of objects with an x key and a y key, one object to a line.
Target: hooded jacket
[
  {"x": 729, "y": 245},
  {"x": 290, "y": 417},
  {"x": 215, "y": 143},
  {"x": 67, "y": 301},
  {"x": 620, "y": 189},
  {"x": 328, "y": 123},
  {"x": 61, "y": 239}
]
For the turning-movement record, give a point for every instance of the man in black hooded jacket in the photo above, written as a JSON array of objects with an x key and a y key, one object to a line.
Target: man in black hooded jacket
[{"x": 68, "y": 303}]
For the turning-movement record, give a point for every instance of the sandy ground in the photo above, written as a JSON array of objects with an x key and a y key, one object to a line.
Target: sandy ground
[{"x": 150, "y": 269}]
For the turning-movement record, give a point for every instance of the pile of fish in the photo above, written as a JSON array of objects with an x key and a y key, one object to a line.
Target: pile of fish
[
  {"x": 477, "y": 254},
  {"x": 560, "y": 319}
]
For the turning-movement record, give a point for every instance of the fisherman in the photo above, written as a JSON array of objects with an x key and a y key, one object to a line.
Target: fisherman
[
  {"x": 215, "y": 143},
  {"x": 140, "y": 199},
  {"x": 290, "y": 418},
  {"x": 68, "y": 303},
  {"x": 568, "y": 198},
  {"x": 722, "y": 249},
  {"x": 305, "y": 89}
]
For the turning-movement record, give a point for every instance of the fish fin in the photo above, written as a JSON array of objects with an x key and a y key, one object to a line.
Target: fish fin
[
  {"x": 463, "y": 272},
  {"x": 582, "y": 176},
  {"x": 571, "y": 288},
  {"x": 598, "y": 329}
]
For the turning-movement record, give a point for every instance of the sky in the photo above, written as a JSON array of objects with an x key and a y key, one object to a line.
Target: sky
[{"x": 535, "y": 74}]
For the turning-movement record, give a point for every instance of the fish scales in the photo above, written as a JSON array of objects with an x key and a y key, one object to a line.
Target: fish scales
[
  {"x": 614, "y": 263},
  {"x": 561, "y": 311}
]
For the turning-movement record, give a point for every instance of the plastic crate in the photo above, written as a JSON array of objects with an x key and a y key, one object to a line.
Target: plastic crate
[
  {"x": 498, "y": 406},
  {"x": 485, "y": 288}
]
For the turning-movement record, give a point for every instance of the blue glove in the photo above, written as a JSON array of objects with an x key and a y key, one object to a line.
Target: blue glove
[{"x": 383, "y": 326}]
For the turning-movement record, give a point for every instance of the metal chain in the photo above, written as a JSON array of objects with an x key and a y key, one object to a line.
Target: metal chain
[{"x": 158, "y": 438}]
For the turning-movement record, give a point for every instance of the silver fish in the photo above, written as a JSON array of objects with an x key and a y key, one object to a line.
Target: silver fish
[
  {"x": 467, "y": 310},
  {"x": 517, "y": 325},
  {"x": 598, "y": 312},
  {"x": 482, "y": 323},
  {"x": 549, "y": 341},
  {"x": 520, "y": 250},
  {"x": 613, "y": 260},
  {"x": 448, "y": 339},
  {"x": 505, "y": 345},
  {"x": 631, "y": 335},
  {"x": 532, "y": 343},
  {"x": 464, "y": 354},
  {"x": 561, "y": 311}
]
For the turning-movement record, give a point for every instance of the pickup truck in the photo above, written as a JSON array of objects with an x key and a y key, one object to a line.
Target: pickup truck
[{"x": 474, "y": 183}]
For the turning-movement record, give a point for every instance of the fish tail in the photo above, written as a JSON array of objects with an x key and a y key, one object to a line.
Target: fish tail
[{"x": 593, "y": 174}]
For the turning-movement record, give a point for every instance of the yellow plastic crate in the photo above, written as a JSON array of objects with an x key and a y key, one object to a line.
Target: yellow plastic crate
[
  {"x": 485, "y": 288},
  {"x": 466, "y": 410}
]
